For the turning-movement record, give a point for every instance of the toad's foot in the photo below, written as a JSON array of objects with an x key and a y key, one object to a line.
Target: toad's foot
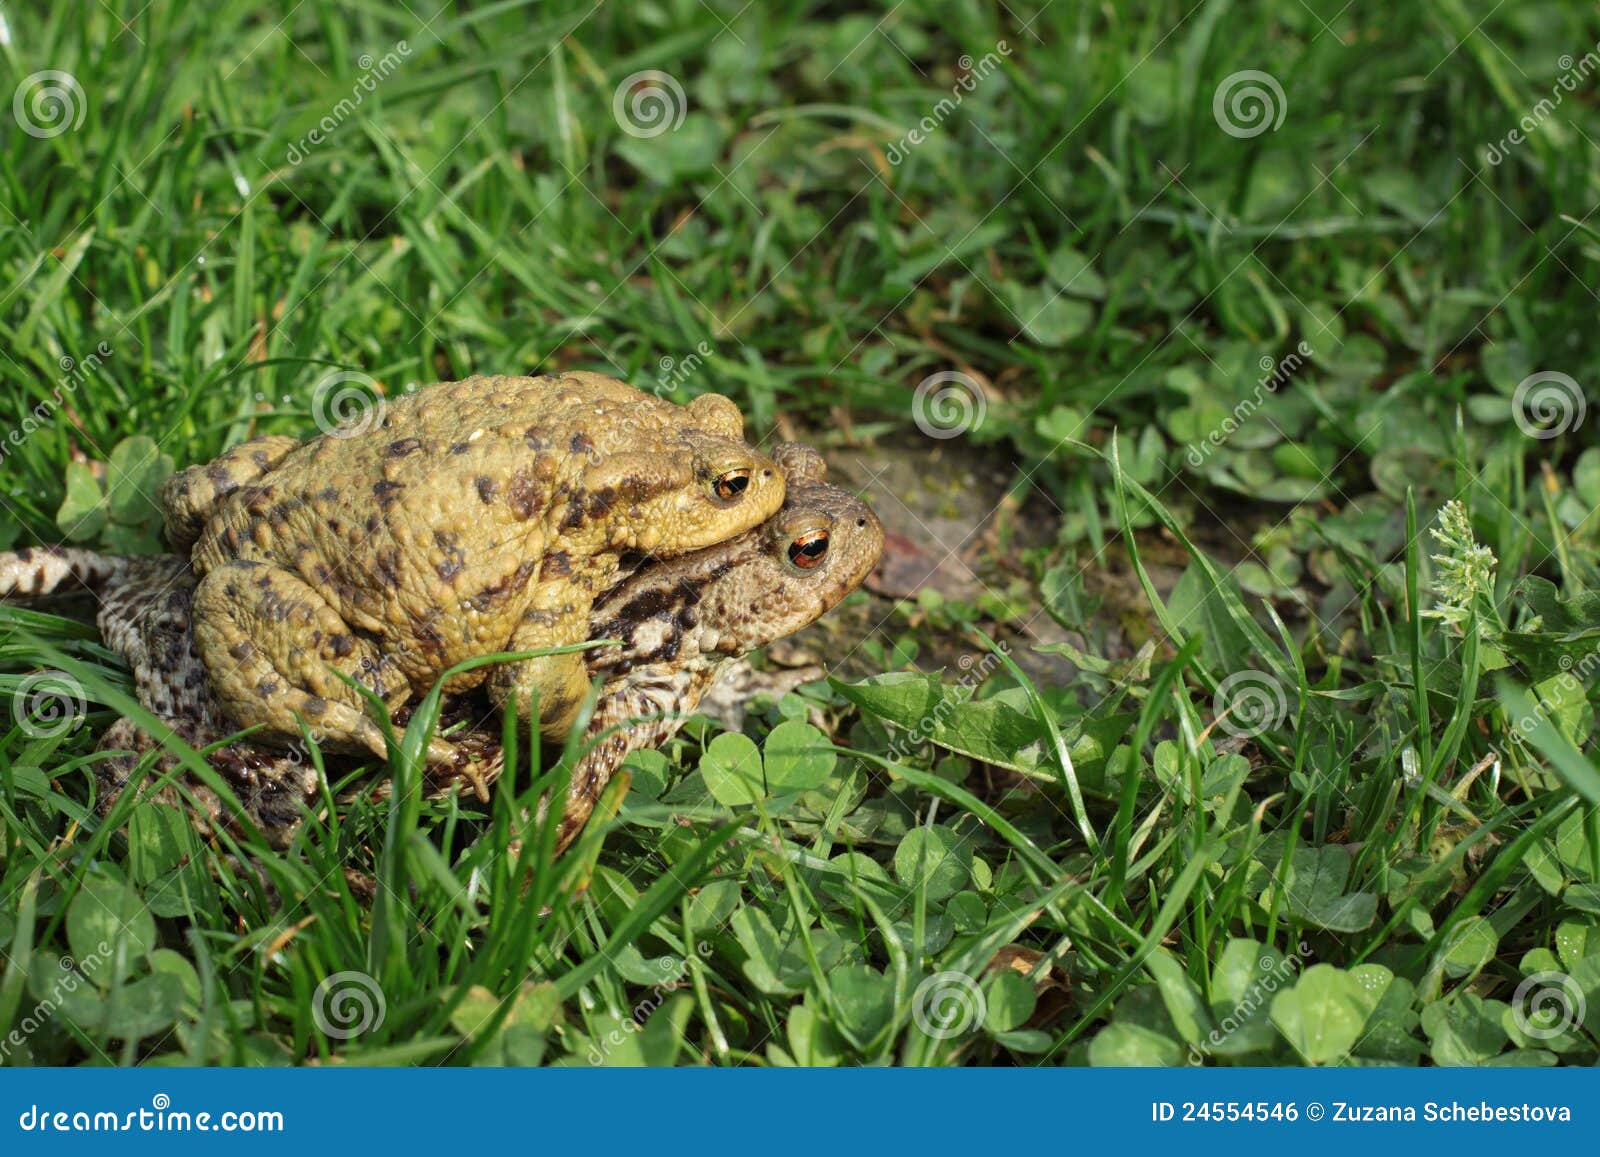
[{"x": 275, "y": 791}]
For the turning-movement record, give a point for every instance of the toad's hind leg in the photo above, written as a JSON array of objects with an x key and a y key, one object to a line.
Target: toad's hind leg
[
  {"x": 274, "y": 649},
  {"x": 190, "y": 495},
  {"x": 276, "y": 790}
]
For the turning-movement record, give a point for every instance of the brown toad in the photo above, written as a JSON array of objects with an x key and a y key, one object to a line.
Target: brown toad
[
  {"x": 678, "y": 623},
  {"x": 475, "y": 517},
  {"x": 683, "y": 621}
]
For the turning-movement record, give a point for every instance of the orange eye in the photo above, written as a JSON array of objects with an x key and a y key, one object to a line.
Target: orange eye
[
  {"x": 730, "y": 484},
  {"x": 809, "y": 549}
]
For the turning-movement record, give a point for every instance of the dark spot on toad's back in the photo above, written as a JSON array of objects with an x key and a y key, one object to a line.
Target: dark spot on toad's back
[
  {"x": 488, "y": 489},
  {"x": 388, "y": 569},
  {"x": 489, "y": 595},
  {"x": 557, "y": 564},
  {"x": 523, "y": 495},
  {"x": 402, "y": 446},
  {"x": 387, "y": 492}
]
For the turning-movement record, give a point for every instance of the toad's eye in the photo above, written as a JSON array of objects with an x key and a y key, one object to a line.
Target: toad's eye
[
  {"x": 809, "y": 549},
  {"x": 730, "y": 484}
]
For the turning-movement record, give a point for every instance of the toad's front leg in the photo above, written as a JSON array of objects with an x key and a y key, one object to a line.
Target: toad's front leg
[
  {"x": 553, "y": 685},
  {"x": 648, "y": 709}
]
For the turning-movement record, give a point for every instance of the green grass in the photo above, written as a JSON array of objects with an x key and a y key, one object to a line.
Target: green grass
[{"x": 1308, "y": 795}]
